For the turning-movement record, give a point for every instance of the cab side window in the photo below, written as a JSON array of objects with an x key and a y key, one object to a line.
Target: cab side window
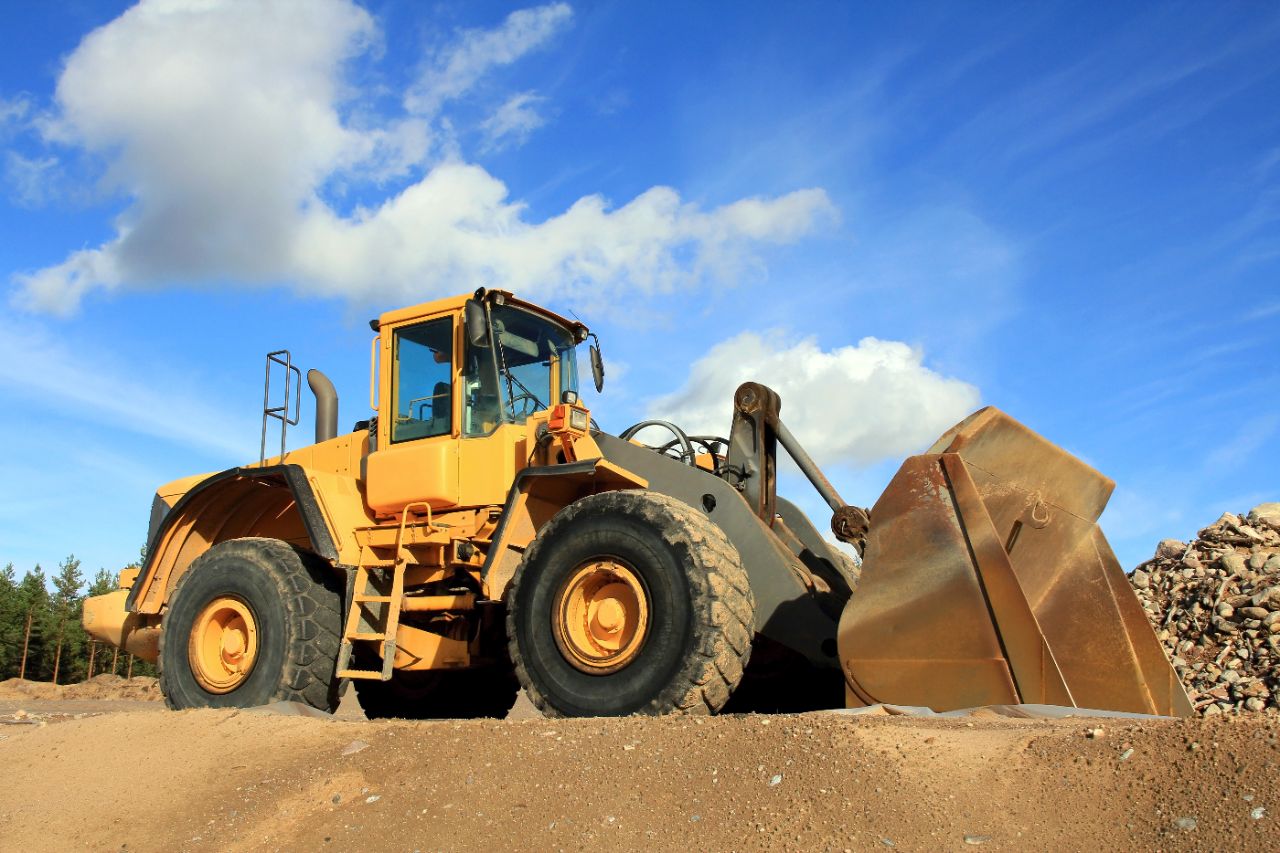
[{"x": 422, "y": 376}]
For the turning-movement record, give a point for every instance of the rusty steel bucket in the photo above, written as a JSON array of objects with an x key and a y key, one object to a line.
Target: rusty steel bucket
[{"x": 986, "y": 580}]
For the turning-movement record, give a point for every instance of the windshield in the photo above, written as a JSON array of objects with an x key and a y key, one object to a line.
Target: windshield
[{"x": 530, "y": 351}]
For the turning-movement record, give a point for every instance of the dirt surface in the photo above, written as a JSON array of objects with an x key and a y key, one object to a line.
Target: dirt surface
[
  {"x": 153, "y": 779},
  {"x": 97, "y": 688}
]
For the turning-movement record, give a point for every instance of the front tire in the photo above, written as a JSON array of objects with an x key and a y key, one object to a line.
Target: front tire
[
  {"x": 630, "y": 602},
  {"x": 252, "y": 621}
]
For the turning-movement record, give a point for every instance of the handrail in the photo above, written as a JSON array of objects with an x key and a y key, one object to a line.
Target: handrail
[{"x": 280, "y": 413}]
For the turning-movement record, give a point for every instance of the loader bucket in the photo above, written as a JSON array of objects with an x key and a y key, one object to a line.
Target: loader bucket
[{"x": 986, "y": 580}]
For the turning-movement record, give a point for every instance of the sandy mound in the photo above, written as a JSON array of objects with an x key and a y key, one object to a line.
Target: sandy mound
[
  {"x": 219, "y": 780},
  {"x": 99, "y": 687}
]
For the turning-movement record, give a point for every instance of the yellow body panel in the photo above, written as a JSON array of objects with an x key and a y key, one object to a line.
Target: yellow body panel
[
  {"x": 106, "y": 619},
  {"x": 487, "y": 465},
  {"x": 423, "y": 470},
  {"x": 340, "y": 455}
]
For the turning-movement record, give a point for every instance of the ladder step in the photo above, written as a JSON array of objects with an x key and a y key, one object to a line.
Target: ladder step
[
  {"x": 373, "y": 598},
  {"x": 361, "y": 673},
  {"x": 366, "y": 636}
]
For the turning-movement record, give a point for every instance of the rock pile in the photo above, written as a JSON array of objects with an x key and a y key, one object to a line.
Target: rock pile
[{"x": 1215, "y": 606}]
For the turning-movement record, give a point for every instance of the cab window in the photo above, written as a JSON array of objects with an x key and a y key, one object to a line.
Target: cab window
[
  {"x": 422, "y": 375},
  {"x": 510, "y": 381}
]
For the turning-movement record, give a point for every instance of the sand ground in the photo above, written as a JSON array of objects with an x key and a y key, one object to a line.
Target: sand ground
[{"x": 128, "y": 775}]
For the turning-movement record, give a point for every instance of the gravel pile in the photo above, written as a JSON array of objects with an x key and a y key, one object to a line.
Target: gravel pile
[{"x": 1215, "y": 605}]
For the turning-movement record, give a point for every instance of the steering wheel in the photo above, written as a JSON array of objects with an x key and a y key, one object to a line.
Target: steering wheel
[
  {"x": 687, "y": 454},
  {"x": 524, "y": 404},
  {"x": 710, "y": 443}
]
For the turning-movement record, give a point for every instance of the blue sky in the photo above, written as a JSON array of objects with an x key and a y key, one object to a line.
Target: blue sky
[{"x": 891, "y": 212}]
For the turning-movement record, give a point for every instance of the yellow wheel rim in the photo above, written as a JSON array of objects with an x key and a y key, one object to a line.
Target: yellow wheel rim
[
  {"x": 601, "y": 616},
  {"x": 224, "y": 644}
]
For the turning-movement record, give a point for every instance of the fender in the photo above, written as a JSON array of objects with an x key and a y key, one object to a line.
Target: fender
[
  {"x": 277, "y": 500},
  {"x": 538, "y": 493}
]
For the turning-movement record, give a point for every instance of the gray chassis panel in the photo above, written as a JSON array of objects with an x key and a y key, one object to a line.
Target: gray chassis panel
[{"x": 785, "y": 612}]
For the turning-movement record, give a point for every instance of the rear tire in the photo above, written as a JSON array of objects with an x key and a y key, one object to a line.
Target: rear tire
[
  {"x": 698, "y": 612},
  {"x": 440, "y": 695},
  {"x": 280, "y": 596}
]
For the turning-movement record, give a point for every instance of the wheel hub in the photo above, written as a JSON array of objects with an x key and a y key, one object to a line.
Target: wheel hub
[
  {"x": 601, "y": 616},
  {"x": 223, "y": 644}
]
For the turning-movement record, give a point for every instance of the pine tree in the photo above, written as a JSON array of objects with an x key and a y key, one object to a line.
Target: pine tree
[
  {"x": 11, "y": 620},
  {"x": 33, "y": 603},
  {"x": 66, "y": 612}
]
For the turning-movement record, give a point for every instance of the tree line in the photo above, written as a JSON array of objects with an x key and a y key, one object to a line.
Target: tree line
[{"x": 41, "y": 636}]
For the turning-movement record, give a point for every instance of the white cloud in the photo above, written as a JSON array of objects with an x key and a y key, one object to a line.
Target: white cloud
[
  {"x": 854, "y": 404},
  {"x": 477, "y": 51},
  {"x": 85, "y": 387},
  {"x": 31, "y": 178},
  {"x": 223, "y": 125},
  {"x": 512, "y": 122},
  {"x": 14, "y": 110},
  {"x": 1244, "y": 445},
  {"x": 455, "y": 230}
]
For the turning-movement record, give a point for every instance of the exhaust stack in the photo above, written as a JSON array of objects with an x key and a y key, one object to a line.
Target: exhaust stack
[{"x": 326, "y": 405}]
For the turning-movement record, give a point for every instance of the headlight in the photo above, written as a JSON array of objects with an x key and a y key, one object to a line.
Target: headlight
[{"x": 578, "y": 419}]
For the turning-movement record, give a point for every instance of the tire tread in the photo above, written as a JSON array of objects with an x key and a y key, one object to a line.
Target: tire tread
[
  {"x": 307, "y": 588},
  {"x": 719, "y": 584}
]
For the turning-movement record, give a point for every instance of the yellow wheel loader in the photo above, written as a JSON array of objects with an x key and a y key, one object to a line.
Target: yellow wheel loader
[{"x": 479, "y": 534}]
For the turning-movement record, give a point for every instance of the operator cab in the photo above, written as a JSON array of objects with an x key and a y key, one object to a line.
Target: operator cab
[{"x": 455, "y": 383}]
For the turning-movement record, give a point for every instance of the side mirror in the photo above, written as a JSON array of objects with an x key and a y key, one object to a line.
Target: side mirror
[
  {"x": 477, "y": 325},
  {"x": 597, "y": 367}
]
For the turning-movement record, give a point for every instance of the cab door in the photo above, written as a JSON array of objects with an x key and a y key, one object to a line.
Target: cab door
[{"x": 417, "y": 455}]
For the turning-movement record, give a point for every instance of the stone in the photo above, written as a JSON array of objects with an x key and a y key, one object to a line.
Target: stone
[
  {"x": 1170, "y": 549},
  {"x": 1140, "y": 579},
  {"x": 1185, "y": 823},
  {"x": 1254, "y": 612},
  {"x": 1268, "y": 514},
  {"x": 354, "y": 747},
  {"x": 1253, "y": 703},
  {"x": 1247, "y": 534},
  {"x": 1233, "y": 563},
  {"x": 1272, "y": 566},
  {"x": 1257, "y": 688},
  {"x": 1258, "y": 561}
]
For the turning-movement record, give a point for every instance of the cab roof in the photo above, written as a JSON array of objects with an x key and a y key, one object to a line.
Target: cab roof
[{"x": 454, "y": 303}]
